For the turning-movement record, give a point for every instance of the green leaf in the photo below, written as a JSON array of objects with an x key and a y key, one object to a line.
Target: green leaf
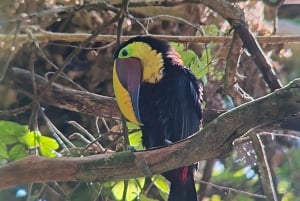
[
  {"x": 161, "y": 183},
  {"x": 283, "y": 186},
  {"x": 199, "y": 67},
  {"x": 206, "y": 56},
  {"x": 215, "y": 198},
  {"x": 131, "y": 126},
  {"x": 289, "y": 196},
  {"x": 134, "y": 188},
  {"x": 31, "y": 139},
  {"x": 211, "y": 30},
  {"x": 240, "y": 173},
  {"x": 135, "y": 139},
  {"x": 12, "y": 129},
  {"x": 48, "y": 146},
  {"x": 8, "y": 139},
  {"x": 3, "y": 151},
  {"x": 18, "y": 151},
  {"x": 135, "y": 136},
  {"x": 118, "y": 190}
]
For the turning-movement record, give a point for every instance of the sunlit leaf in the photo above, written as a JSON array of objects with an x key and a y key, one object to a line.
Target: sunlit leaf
[
  {"x": 48, "y": 146},
  {"x": 133, "y": 189},
  {"x": 12, "y": 128},
  {"x": 31, "y": 139},
  {"x": 131, "y": 126},
  {"x": 135, "y": 136},
  {"x": 283, "y": 186},
  {"x": 288, "y": 197},
  {"x": 161, "y": 183},
  {"x": 18, "y": 151},
  {"x": 135, "y": 139},
  {"x": 118, "y": 190},
  {"x": 240, "y": 173},
  {"x": 215, "y": 198}
]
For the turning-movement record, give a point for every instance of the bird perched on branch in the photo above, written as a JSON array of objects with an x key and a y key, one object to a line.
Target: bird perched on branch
[{"x": 156, "y": 91}]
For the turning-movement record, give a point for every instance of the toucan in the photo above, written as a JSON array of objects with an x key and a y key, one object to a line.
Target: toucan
[{"x": 156, "y": 91}]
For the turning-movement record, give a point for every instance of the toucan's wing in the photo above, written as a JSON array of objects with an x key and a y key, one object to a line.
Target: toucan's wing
[{"x": 180, "y": 105}]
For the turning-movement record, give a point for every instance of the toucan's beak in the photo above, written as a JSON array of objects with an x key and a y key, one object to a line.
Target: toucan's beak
[{"x": 128, "y": 75}]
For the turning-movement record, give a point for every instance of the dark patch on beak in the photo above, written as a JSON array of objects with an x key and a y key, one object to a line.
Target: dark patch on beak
[{"x": 129, "y": 71}]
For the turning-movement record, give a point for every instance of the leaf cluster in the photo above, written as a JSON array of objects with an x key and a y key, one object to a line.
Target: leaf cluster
[{"x": 17, "y": 139}]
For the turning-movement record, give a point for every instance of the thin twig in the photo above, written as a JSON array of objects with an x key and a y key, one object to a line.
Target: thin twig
[
  {"x": 67, "y": 61},
  {"x": 37, "y": 45},
  {"x": 207, "y": 173},
  {"x": 12, "y": 52},
  {"x": 16, "y": 111},
  {"x": 88, "y": 134},
  {"x": 33, "y": 121},
  {"x": 263, "y": 164},
  {"x": 179, "y": 19},
  {"x": 231, "y": 85},
  {"x": 79, "y": 136},
  {"x": 42, "y": 13},
  {"x": 280, "y": 135},
  {"x": 122, "y": 14},
  {"x": 234, "y": 190},
  {"x": 57, "y": 134}
]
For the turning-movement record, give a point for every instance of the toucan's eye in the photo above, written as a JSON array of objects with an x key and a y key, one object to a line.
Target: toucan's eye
[{"x": 124, "y": 53}]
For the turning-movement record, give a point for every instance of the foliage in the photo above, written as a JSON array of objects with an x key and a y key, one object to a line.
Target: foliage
[
  {"x": 129, "y": 189},
  {"x": 199, "y": 66},
  {"x": 16, "y": 139}
]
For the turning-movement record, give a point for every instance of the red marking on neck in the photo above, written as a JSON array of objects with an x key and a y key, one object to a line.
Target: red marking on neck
[{"x": 183, "y": 172}]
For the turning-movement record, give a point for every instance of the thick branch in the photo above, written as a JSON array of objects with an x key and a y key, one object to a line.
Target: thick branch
[
  {"x": 66, "y": 98},
  {"x": 213, "y": 141},
  {"x": 78, "y": 101},
  {"x": 258, "y": 56}
]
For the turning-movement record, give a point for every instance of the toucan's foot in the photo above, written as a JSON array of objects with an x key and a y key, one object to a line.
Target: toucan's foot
[
  {"x": 142, "y": 164},
  {"x": 131, "y": 148},
  {"x": 168, "y": 142}
]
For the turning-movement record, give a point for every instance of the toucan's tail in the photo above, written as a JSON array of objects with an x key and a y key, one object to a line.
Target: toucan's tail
[{"x": 182, "y": 184}]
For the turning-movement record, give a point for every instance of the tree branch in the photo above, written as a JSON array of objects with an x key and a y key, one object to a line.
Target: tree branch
[
  {"x": 264, "y": 168},
  {"x": 213, "y": 141},
  {"x": 66, "y": 98},
  {"x": 231, "y": 85},
  {"x": 75, "y": 100},
  {"x": 47, "y": 36}
]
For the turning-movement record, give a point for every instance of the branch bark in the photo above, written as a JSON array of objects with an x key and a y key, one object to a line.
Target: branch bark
[
  {"x": 231, "y": 85},
  {"x": 75, "y": 100},
  {"x": 66, "y": 98},
  {"x": 264, "y": 168},
  {"x": 47, "y": 36},
  {"x": 213, "y": 141}
]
